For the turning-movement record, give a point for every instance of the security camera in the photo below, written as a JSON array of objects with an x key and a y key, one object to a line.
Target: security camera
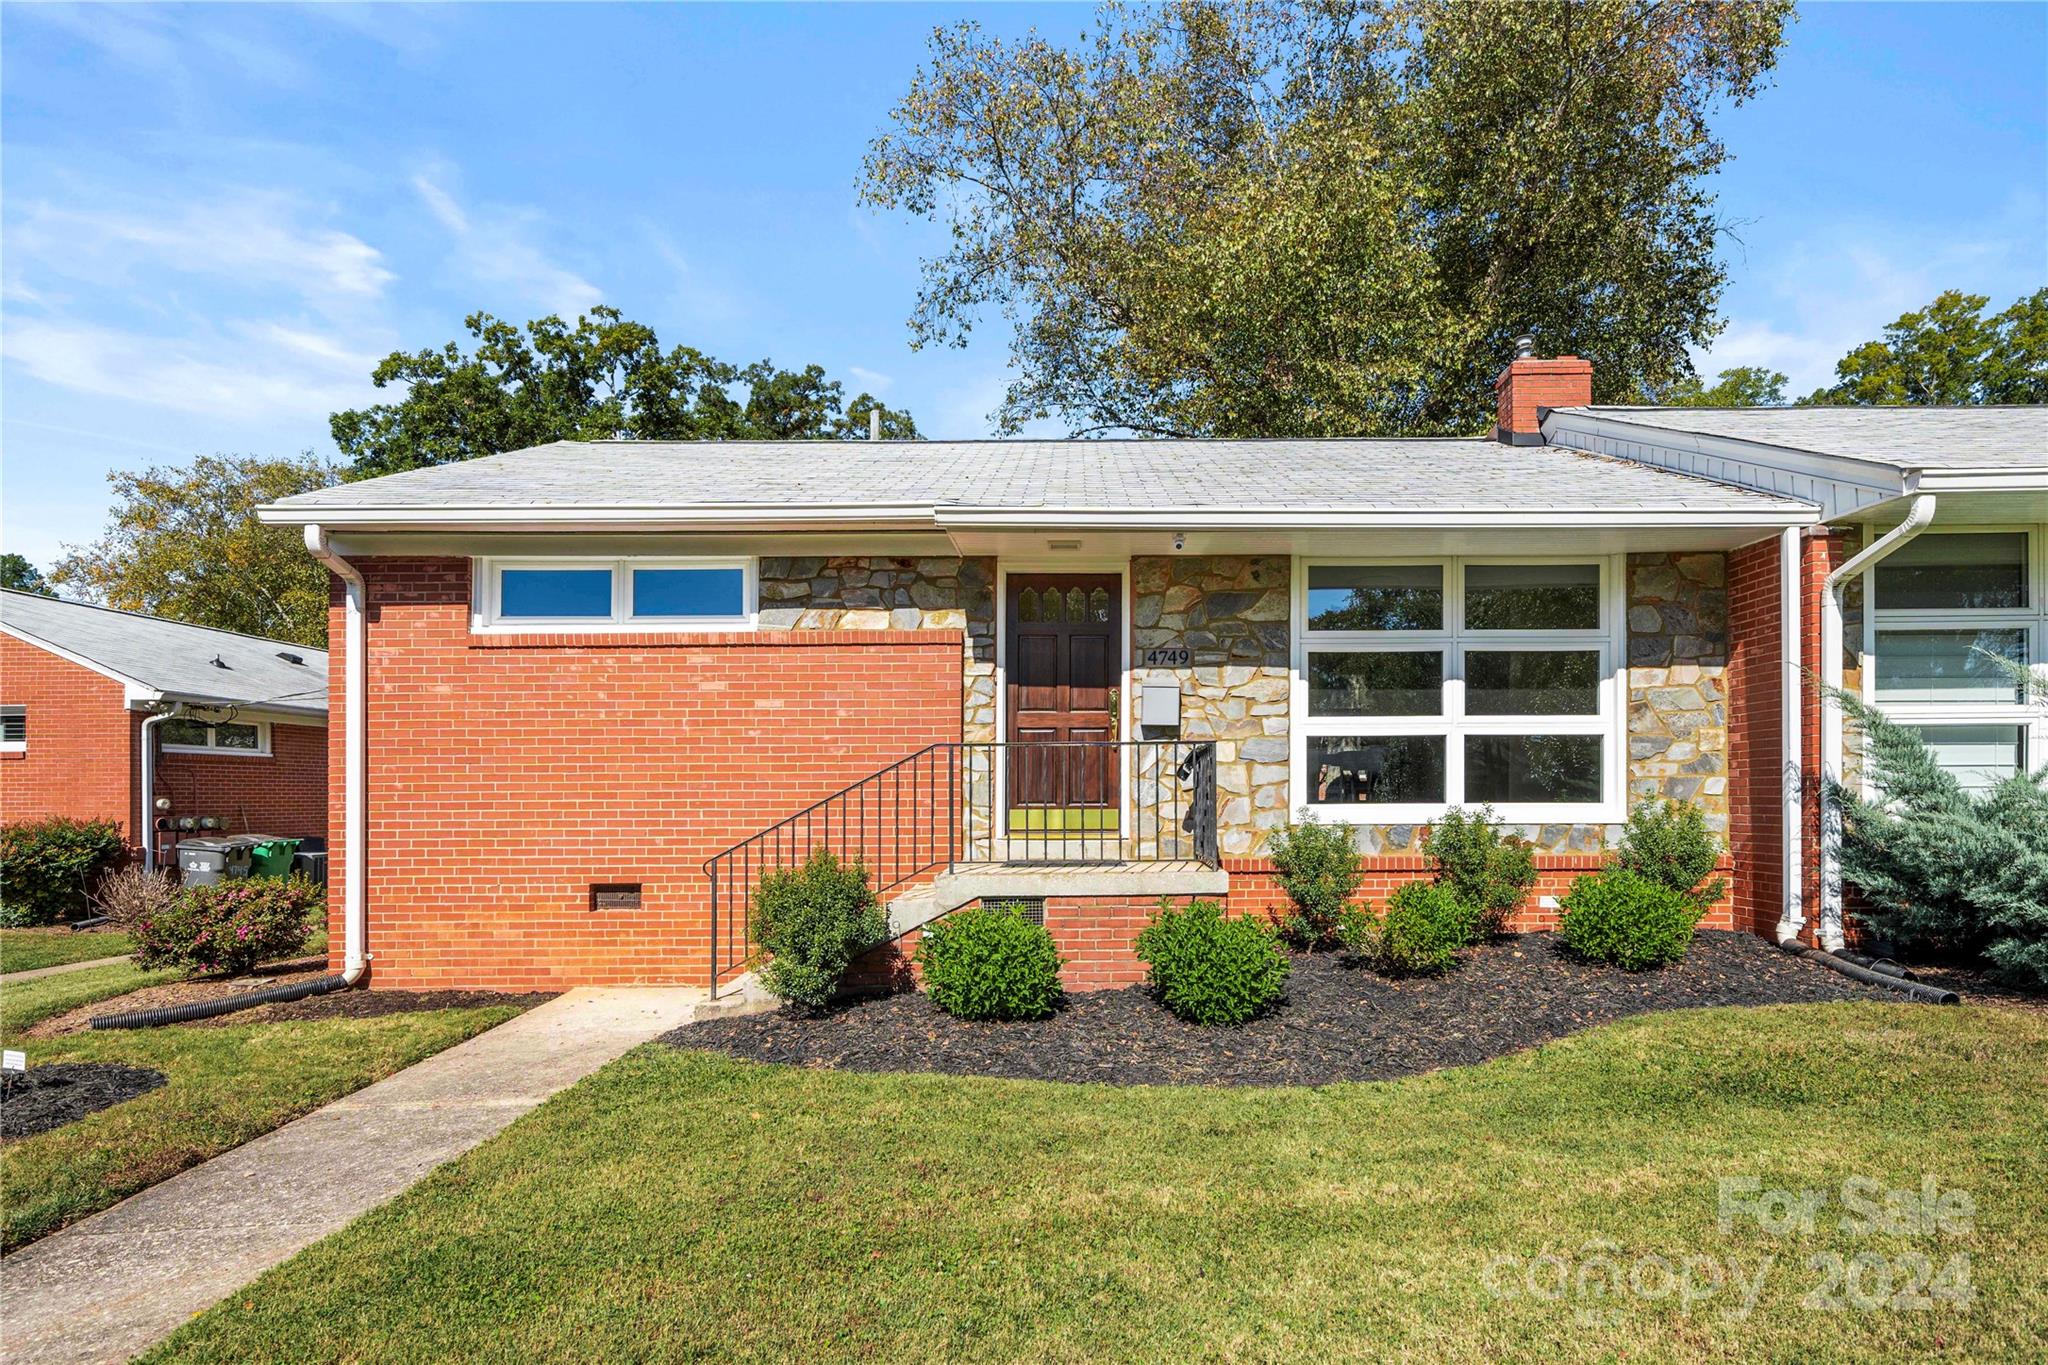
[{"x": 1180, "y": 542}]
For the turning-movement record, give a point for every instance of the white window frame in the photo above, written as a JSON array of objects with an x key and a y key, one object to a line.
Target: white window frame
[
  {"x": 2030, "y": 620},
  {"x": 16, "y": 746},
  {"x": 1609, "y": 722},
  {"x": 215, "y": 749},
  {"x": 487, "y": 579}
]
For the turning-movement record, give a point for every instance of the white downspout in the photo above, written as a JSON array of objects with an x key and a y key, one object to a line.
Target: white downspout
[
  {"x": 146, "y": 825},
  {"x": 1791, "y": 729},
  {"x": 354, "y": 739},
  {"x": 1917, "y": 518}
]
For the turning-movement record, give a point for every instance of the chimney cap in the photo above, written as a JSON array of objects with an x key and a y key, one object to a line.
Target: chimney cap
[{"x": 1525, "y": 346}]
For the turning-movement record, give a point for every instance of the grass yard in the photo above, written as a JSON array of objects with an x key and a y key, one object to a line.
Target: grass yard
[
  {"x": 685, "y": 1205},
  {"x": 226, "y": 1086},
  {"x": 24, "y": 950}
]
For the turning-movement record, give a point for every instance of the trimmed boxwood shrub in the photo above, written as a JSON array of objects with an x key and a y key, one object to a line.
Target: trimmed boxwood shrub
[
  {"x": 1616, "y": 916},
  {"x": 814, "y": 921},
  {"x": 230, "y": 926},
  {"x": 1209, "y": 969},
  {"x": 1489, "y": 872},
  {"x": 1425, "y": 927},
  {"x": 48, "y": 868},
  {"x": 1318, "y": 866},
  {"x": 989, "y": 962}
]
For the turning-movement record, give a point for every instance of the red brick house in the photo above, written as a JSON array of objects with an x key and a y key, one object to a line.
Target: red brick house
[
  {"x": 592, "y": 691},
  {"x": 110, "y": 714}
]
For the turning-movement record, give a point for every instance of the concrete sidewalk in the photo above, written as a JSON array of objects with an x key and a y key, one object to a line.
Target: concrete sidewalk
[
  {"x": 32, "y": 973},
  {"x": 123, "y": 1279}
]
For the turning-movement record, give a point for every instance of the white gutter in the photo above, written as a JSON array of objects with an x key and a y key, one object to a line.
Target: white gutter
[
  {"x": 146, "y": 825},
  {"x": 354, "y": 738},
  {"x": 1791, "y": 730},
  {"x": 1917, "y": 518}
]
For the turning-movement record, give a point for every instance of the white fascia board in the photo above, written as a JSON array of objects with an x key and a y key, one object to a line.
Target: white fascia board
[
  {"x": 1354, "y": 518},
  {"x": 651, "y": 518},
  {"x": 137, "y": 690},
  {"x": 273, "y": 712},
  {"x": 1985, "y": 481},
  {"x": 1838, "y": 484}
]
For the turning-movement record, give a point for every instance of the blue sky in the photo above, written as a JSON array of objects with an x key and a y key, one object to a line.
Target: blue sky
[{"x": 213, "y": 221}]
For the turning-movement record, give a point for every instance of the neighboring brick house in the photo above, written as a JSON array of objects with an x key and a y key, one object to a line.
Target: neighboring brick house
[
  {"x": 148, "y": 722},
  {"x": 606, "y": 685}
]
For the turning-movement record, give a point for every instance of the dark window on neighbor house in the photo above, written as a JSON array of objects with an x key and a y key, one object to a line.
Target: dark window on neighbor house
[
  {"x": 182, "y": 736},
  {"x": 14, "y": 725}
]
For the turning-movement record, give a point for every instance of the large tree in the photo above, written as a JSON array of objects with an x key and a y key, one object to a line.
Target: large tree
[
  {"x": 185, "y": 543},
  {"x": 603, "y": 378},
  {"x": 1299, "y": 219},
  {"x": 18, "y": 574},
  {"x": 1744, "y": 386},
  {"x": 1950, "y": 352}
]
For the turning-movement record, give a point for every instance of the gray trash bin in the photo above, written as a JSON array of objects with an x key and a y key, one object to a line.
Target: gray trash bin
[
  {"x": 205, "y": 862},
  {"x": 311, "y": 866}
]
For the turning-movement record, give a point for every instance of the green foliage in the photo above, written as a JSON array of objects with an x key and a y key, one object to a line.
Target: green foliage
[
  {"x": 1744, "y": 386},
  {"x": 185, "y": 543},
  {"x": 49, "y": 868},
  {"x": 814, "y": 921},
  {"x": 990, "y": 962},
  {"x": 1209, "y": 969},
  {"x": 1617, "y": 916},
  {"x": 229, "y": 926},
  {"x": 1667, "y": 842},
  {"x": 1939, "y": 868},
  {"x": 1271, "y": 219},
  {"x": 604, "y": 378},
  {"x": 1489, "y": 873},
  {"x": 18, "y": 575},
  {"x": 1424, "y": 929},
  {"x": 1950, "y": 353},
  {"x": 1318, "y": 865}
]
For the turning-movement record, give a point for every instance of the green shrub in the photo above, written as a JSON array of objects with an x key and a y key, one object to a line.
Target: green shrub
[
  {"x": 990, "y": 963},
  {"x": 1319, "y": 868},
  {"x": 1490, "y": 873},
  {"x": 1209, "y": 969},
  {"x": 814, "y": 921},
  {"x": 229, "y": 926},
  {"x": 1422, "y": 932},
  {"x": 48, "y": 868},
  {"x": 1667, "y": 842},
  {"x": 1616, "y": 916}
]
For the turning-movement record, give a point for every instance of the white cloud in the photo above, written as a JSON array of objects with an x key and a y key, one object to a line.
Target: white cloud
[
  {"x": 247, "y": 372},
  {"x": 496, "y": 247},
  {"x": 869, "y": 380}
]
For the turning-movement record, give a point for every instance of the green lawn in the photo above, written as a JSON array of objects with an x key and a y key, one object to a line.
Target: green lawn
[
  {"x": 227, "y": 1085},
  {"x": 24, "y": 950},
  {"x": 682, "y": 1205}
]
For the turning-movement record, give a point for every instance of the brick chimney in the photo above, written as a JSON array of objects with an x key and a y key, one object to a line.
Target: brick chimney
[{"x": 1529, "y": 386}]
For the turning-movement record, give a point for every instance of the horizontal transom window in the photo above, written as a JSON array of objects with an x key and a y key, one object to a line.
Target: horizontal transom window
[
  {"x": 186, "y": 736},
  {"x": 1458, "y": 681},
  {"x": 614, "y": 594}
]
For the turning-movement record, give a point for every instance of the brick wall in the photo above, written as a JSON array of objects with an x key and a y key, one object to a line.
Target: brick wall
[
  {"x": 1756, "y": 736},
  {"x": 509, "y": 772},
  {"x": 81, "y": 754},
  {"x": 283, "y": 793}
]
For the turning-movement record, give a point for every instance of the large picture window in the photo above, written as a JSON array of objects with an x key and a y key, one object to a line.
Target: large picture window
[
  {"x": 613, "y": 594},
  {"x": 1431, "y": 683},
  {"x": 1938, "y": 606}
]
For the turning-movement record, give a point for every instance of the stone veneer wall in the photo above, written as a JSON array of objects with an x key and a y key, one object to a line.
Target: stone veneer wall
[
  {"x": 1231, "y": 612},
  {"x": 1677, "y": 681}
]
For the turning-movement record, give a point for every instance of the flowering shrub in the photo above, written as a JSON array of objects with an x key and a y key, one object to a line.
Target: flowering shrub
[{"x": 229, "y": 927}]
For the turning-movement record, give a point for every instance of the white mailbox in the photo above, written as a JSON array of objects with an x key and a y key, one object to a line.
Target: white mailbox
[{"x": 1159, "y": 704}]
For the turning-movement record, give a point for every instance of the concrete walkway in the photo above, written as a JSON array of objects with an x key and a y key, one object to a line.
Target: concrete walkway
[
  {"x": 32, "y": 973},
  {"x": 122, "y": 1280}
]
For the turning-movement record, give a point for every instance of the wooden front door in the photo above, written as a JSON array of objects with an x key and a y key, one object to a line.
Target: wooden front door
[{"x": 1064, "y": 664}]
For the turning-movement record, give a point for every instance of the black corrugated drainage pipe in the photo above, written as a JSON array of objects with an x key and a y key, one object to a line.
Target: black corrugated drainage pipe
[
  {"x": 227, "y": 1004},
  {"x": 1917, "y": 990},
  {"x": 1876, "y": 964}
]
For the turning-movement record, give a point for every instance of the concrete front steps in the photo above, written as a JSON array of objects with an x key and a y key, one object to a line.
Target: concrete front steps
[{"x": 971, "y": 882}]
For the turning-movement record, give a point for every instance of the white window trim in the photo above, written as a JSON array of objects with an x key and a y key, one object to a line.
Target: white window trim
[
  {"x": 1609, "y": 638},
  {"x": 214, "y": 750},
  {"x": 2030, "y": 620},
  {"x": 16, "y": 746},
  {"x": 486, "y": 579}
]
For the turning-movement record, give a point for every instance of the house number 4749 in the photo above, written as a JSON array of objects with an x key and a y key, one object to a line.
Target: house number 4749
[{"x": 1167, "y": 658}]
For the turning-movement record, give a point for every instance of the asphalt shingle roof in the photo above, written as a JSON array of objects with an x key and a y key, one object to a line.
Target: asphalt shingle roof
[
  {"x": 174, "y": 658},
  {"x": 1341, "y": 475},
  {"x": 2014, "y": 438}
]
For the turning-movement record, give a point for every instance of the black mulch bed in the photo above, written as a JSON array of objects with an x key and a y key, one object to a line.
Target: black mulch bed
[
  {"x": 364, "y": 1004},
  {"x": 46, "y": 1097},
  {"x": 1339, "y": 1023}
]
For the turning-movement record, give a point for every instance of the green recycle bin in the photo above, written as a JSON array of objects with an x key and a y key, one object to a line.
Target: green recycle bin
[{"x": 272, "y": 857}]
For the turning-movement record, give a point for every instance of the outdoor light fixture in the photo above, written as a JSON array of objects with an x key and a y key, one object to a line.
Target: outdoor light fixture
[{"x": 1180, "y": 541}]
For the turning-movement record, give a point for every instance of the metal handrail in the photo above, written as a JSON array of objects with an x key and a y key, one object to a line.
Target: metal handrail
[{"x": 962, "y": 800}]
